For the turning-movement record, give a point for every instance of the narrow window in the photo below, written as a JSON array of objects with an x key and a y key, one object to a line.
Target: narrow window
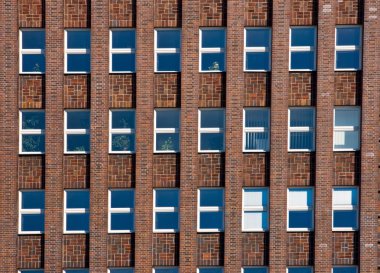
[
  {"x": 210, "y": 210},
  {"x": 121, "y": 270},
  {"x": 121, "y": 210},
  {"x": 166, "y": 130},
  {"x": 302, "y": 48},
  {"x": 257, "y": 49},
  {"x": 32, "y": 132},
  {"x": 256, "y": 130},
  {"x": 301, "y": 129},
  {"x": 211, "y": 130},
  {"x": 31, "y": 212},
  {"x": 348, "y": 43},
  {"x": 165, "y": 270},
  {"x": 300, "y": 269},
  {"x": 345, "y": 208},
  {"x": 255, "y": 270},
  {"x": 165, "y": 210},
  {"x": 346, "y": 129},
  {"x": 345, "y": 269},
  {"x": 123, "y": 51},
  {"x": 31, "y": 271},
  {"x": 76, "y": 211},
  {"x": 77, "y": 131},
  {"x": 167, "y": 50},
  {"x": 77, "y": 51},
  {"x": 300, "y": 209},
  {"x": 122, "y": 132},
  {"x": 210, "y": 270},
  {"x": 32, "y": 51},
  {"x": 212, "y": 49},
  {"x": 84, "y": 270},
  {"x": 255, "y": 209}
]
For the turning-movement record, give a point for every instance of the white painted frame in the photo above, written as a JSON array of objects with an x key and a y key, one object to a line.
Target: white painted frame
[
  {"x": 120, "y": 210},
  {"x": 211, "y": 130},
  {"x": 67, "y": 211},
  {"x": 165, "y": 209},
  {"x": 261, "y": 208},
  {"x": 113, "y": 131},
  {"x": 158, "y": 50},
  {"x": 72, "y": 51},
  {"x": 212, "y": 49},
  {"x": 300, "y": 208},
  {"x": 251, "y": 49},
  {"x": 255, "y": 129},
  {"x": 301, "y": 129},
  {"x": 22, "y": 211},
  {"x": 209, "y": 209},
  {"x": 355, "y": 109},
  {"x": 120, "y": 51},
  {"x": 74, "y": 131},
  {"x": 28, "y": 132},
  {"x": 23, "y": 51},
  {"x": 349, "y": 48},
  {"x": 302, "y": 48},
  {"x": 346, "y": 208},
  {"x": 166, "y": 130}
]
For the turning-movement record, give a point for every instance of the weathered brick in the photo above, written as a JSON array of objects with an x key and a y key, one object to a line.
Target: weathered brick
[
  {"x": 167, "y": 13},
  {"x": 30, "y": 251},
  {"x": 211, "y": 170},
  {"x": 75, "y": 251},
  {"x": 77, "y": 91},
  {"x": 304, "y": 12},
  {"x": 210, "y": 249},
  {"x": 349, "y": 12},
  {"x": 76, "y": 171},
  {"x": 77, "y": 14},
  {"x": 166, "y": 249},
  {"x": 300, "y": 248},
  {"x": 167, "y": 90},
  {"x": 258, "y": 13},
  {"x": 345, "y": 248},
  {"x": 257, "y": 89},
  {"x": 301, "y": 169},
  {"x": 348, "y": 88},
  {"x": 212, "y": 90},
  {"x": 121, "y": 171},
  {"x": 31, "y": 172},
  {"x": 31, "y": 13},
  {"x": 302, "y": 90},
  {"x": 213, "y": 13},
  {"x": 256, "y": 169},
  {"x": 32, "y": 91},
  {"x": 122, "y": 13},
  {"x": 120, "y": 250},
  {"x": 122, "y": 90},
  {"x": 346, "y": 168},
  {"x": 166, "y": 170},
  {"x": 255, "y": 249}
]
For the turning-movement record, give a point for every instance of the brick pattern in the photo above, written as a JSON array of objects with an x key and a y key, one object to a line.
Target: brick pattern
[
  {"x": 120, "y": 250},
  {"x": 349, "y": 12},
  {"x": 31, "y": 91},
  {"x": 122, "y": 13},
  {"x": 31, "y": 172},
  {"x": 76, "y": 171},
  {"x": 77, "y": 14},
  {"x": 304, "y": 12},
  {"x": 257, "y": 89},
  {"x": 212, "y": 90},
  {"x": 345, "y": 248},
  {"x": 75, "y": 251},
  {"x": 301, "y": 169},
  {"x": 300, "y": 248},
  {"x": 210, "y": 249},
  {"x": 255, "y": 249},
  {"x": 167, "y": 13},
  {"x": 166, "y": 170},
  {"x": 122, "y": 91},
  {"x": 167, "y": 90},
  {"x": 213, "y": 13},
  {"x": 77, "y": 91},
  {"x": 256, "y": 170},
  {"x": 211, "y": 170},
  {"x": 166, "y": 249},
  {"x": 31, "y": 13},
  {"x": 121, "y": 171},
  {"x": 257, "y": 13},
  {"x": 30, "y": 251},
  {"x": 302, "y": 89},
  {"x": 348, "y": 88},
  {"x": 346, "y": 168}
]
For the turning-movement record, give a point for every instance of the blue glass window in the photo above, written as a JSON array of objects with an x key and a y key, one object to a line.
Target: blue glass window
[
  {"x": 300, "y": 269},
  {"x": 210, "y": 270},
  {"x": 211, "y": 209},
  {"x": 348, "y": 48},
  {"x": 123, "y": 47},
  {"x": 32, "y": 51},
  {"x": 301, "y": 129},
  {"x": 255, "y": 209},
  {"x": 300, "y": 209},
  {"x": 168, "y": 50},
  {"x": 121, "y": 270},
  {"x": 32, "y": 216},
  {"x": 257, "y": 49},
  {"x": 78, "y": 44},
  {"x": 77, "y": 131},
  {"x": 347, "y": 128},
  {"x": 302, "y": 48},
  {"x": 77, "y": 204},
  {"x": 166, "y": 270},
  {"x": 255, "y": 270},
  {"x": 32, "y": 132},
  {"x": 212, "y": 50},
  {"x": 211, "y": 130},
  {"x": 345, "y": 269},
  {"x": 32, "y": 271},
  {"x": 166, "y": 215},
  {"x": 76, "y": 271},
  {"x": 121, "y": 210},
  {"x": 256, "y": 129},
  {"x": 345, "y": 208},
  {"x": 167, "y": 130},
  {"x": 122, "y": 131}
]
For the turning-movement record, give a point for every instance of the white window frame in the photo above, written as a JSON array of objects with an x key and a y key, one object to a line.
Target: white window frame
[
  {"x": 253, "y": 267},
  {"x": 120, "y": 210},
  {"x": 120, "y": 51},
  {"x": 120, "y": 131},
  {"x": 311, "y": 267},
  {"x": 166, "y": 50},
  {"x": 255, "y": 129},
  {"x": 211, "y": 130},
  {"x": 75, "y": 51},
  {"x": 74, "y": 131},
  {"x": 342, "y": 266},
  {"x": 166, "y": 130},
  {"x": 302, "y": 48},
  {"x": 23, "y": 51},
  {"x": 254, "y": 209},
  {"x": 347, "y": 128},
  {"x": 164, "y": 267},
  {"x": 349, "y": 48},
  {"x": 67, "y": 211},
  {"x": 164, "y": 209},
  {"x": 209, "y": 209},
  {"x": 257, "y": 49},
  {"x": 22, "y": 212},
  {"x": 300, "y": 208},
  {"x": 29, "y": 132},
  {"x": 301, "y": 129},
  {"x": 210, "y": 267},
  {"x": 212, "y": 49},
  {"x": 345, "y": 208}
]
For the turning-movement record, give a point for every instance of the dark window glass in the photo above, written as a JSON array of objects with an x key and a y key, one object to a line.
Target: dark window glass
[
  {"x": 211, "y": 198},
  {"x": 213, "y": 38},
  {"x": 123, "y": 119},
  {"x": 33, "y": 39},
  {"x": 33, "y": 143},
  {"x": 166, "y": 220},
  {"x": 78, "y": 39},
  {"x": 167, "y": 118},
  {"x": 212, "y": 118},
  {"x": 78, "y": 62},
  {"x": 211, "y": 220},
  {"x": 167, "y": 198},
  {"x": 78, "y": 143},
  {"x": 212, "y": 61},
  {"x": 258, "y": 61},
  {"x": 348, "y": 36},
  {"x": 78, "y": 120},
  {"x": 122, "y": 199},
  {"x": 33, "y": 120},
  {"x": 302, "y": 60},
  {"x": 123, "y": 62},
  {"x": 33, "y": 200},
  {"x": 77, "y": 199},
  {"x": 77, "y": 221},
  {"x": 122, "y": 221},
  {"x": 303, "y": 36},
  {"x": 256, "y": 270},
  {"x": 345, "y": 219},
  {"x": 168, "y": 38},
  {"x": 168, "y": 61},
  {"x": 33, "y": 222},
  {"x": 259, "y": 37},
  {"x": 300, "y": 219},
  {"x": 346, "y": 269},
  {"x": 123, "y": 142},
  {"x": 123, "y": 39},
  {"x": 212, "y": 141},
  {"x": 348, "y": 59},
  {"x": 33, "y": 63}
]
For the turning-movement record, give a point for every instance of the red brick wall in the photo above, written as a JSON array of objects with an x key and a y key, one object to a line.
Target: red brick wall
[
  {"x": 346, "y": 168},
  {"x": 167, "y": 90},
  {"x": 167, "y": 13},
  {"x": 210, "y": 249},
  {"x": 345, "y": 248},
  {"x": 122, "y": 13},
  {"x": 75, "y": 251},
  {"x": 301, "y": 169},
  {"x": 300, "y": 248},
  {"x": 77, "y": 91},
  {"x": 166, "y": 170},
  {"x": 213, "y": 13},
  {"x": 30, "y": 251},
  {"x": 349, "y": 12},
  {"x": 77, "y": 14},
  {"x": 121, "y": 171},
  {"x": 165, "y": 249},
  {"x": 120, "y": 250},
  {"x": 211, "y": 170},
  {"x": 31, "y": 91},
  {"x": 122, "y": 91},
  {"x": 76, "y": 171},
  {"x": 304, "y": 12},
  {"x": 212, "y": 90},
  {"x": 255, "y": 249},
  {"x": 302, "y": 89},
  {"x": 31, "y": 13},
  {"x": 256, "y": 169},
  {"x": 348, "y": 88},
  {"x": 31, "y": 172},
  {"x": 257, "y": 89},
  {"x": 257, "y": 13}
]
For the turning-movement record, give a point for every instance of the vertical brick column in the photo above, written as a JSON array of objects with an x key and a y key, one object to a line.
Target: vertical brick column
[
  {"x": 369, "y": 137},
  {"x": 54, "y": 136},
  {"x": 144, "y": 135},
  {"x": 278, "y": 154},
  {"x": 324, "y": 136}
]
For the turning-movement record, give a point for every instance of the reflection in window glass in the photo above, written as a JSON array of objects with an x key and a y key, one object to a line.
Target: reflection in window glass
[
  {"x": 77, "y": 51},
  {"x": 302, "y": 48},
  {"x": 212, "y": 50},
  {"x": 211, "y": 131},
  {"x": 211, "y": 209},
  {"x": 122, "y": 51},
  {"x": 77, "y": 131},
  {"x": 300, "y": 209},
  {"x": 347, "y": 128},
  {"x": 256, "y": 129},
  {"x": 257, "y": 49},
  {"x": 167, "y": 50},
  {"x": 166, "y": 130},
  {"x": 301, "y": 129},
  {"x": 32, "y": 132},
  {"x": 166, "y": 216},
  {"x": 122, "y": 131},
  {"x": 348, "y": 44},
  {"x": 345, "y": 208},
  {"x": 77, "y": 218},
  {"x": 32, "y": 51},
  {"x": 31, "y": 212},
  {"x": 121, "y": 210}
]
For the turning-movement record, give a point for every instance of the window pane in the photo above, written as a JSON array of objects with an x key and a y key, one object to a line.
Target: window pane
[
  {"x": 32, "y": 271},
  {"x": 212, "y": 141},
  {"x": 167, "y": 118},
  {"x": 168, "y": 62},
  {"x": 302, "y": 60},
  {"x": 77, "y": 199},
  {"x": 257, "y": 141},
  {"x": 257, "y": 61},
  {"x": 123, "y": 142},
  {"x": 166, "y": 220},
  {"x": 211, "y": 198},
  {"x": 78, "y": 62},
  {"x": 345, "y": 219},
  {"x": 347, "y": 117},
  {"x": 348, "y": 36},
  {"x": 122, "y": 199},
  {"x": 212, "y": 118},
  {"x": 33, "y": 143},
  {"x": 167, "y": 142},
  {"x": 32, "y": 222},
  {"x": 346, "y": 140},
  {"x": 76, "y": 271},
  {"x": 121, "y": 270},
  {"x": 122, "y": 221},
  {"x": 123, "y": 62},
  {"x": 351, "y": 269},
  {"x": 257, "y": 118},
  {"x": 78, "y": 39},
  {"x": 33, "y": 63},
  {"x": 123, "y": 119},
  {"x": 166, "y": 270},
  {"x": 33, "y": 200},
  {"x": 299, "y": 270},
  {"x": 345, "y": 196},
  {"x": 123, "y": 39},
  {"x": 33, "y": 39},
  {"x": 78, "y": 143},
  {"x": 210, "y": 270},
  {"x": 255, "y": 220},
  {"x": 77, "y": 222},
  {"x": 256, "y": 270},
  {"x": 33, "y": 120},
  {"x": 255, "y": 197},
  {"x": 167, "y": 198},
  {"x": 302, "y": 36},
  {"x": 78, "y": 119},
  {"x": 348, "y": 59},
  {"x": 300, "y": 197},
  {"x": 302, "y": 117},
  {"x": 212, "y": 61},
  {"x": 169, "y": 38},
  {"x": 300, "y": 219},
  {"x": 211, "y": 220},
  {"x": 213, "y": 38},
  {"x": 301, "y": 140},
  {"x": 258, "y": 37}
]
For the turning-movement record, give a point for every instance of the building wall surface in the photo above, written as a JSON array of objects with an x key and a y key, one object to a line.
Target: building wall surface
[{"x": 189, "y": 170}]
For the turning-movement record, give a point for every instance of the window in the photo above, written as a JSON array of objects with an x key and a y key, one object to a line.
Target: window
[
  {"x": 167, "y": 50},
  {"x": 77, "y": 51},
  {"x": 165, "y": 270},
  {"x": 76, "y": 211},
  {"x": 84, "y": 270},
  {"x": 255, "y": 270},
  {"x": 77, "y": 131},
  {"x": 31, "y": 271},
  {"x": 210, "y": 270},
  {"x": 122, "y": 51},
  {"x": 32, "y": 132},
  {"x": 301, "y": 129},
  {"x": 255, "y": 209},
  {"x": 32, "y": 51},
  {"x": 121, "y": 210},
  {"x": 345, "y": 269},
  {"x": 256, "y": 130},
  {"x": 303, "y": 269},
  {"x": 122, "y": 131},
  {"x": 300, "y": 209},
  {"x": 348, "y": 43},
  {"x": 121, "y": 270},
  {"x": 302, "y": 48},
  {"x": 346, "y": 128},
  {"x": 257, "y": 49},
  {"x": 31, "y": 212},
  {"x": 210, "y": 209},
  {"x": 165, "y": 210},
  {"x": 345, "y": 208},
  {"x": 211, "y": 130},
  {"x": 166, "y": 130},
  {"x": 212, "y": 49}
]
